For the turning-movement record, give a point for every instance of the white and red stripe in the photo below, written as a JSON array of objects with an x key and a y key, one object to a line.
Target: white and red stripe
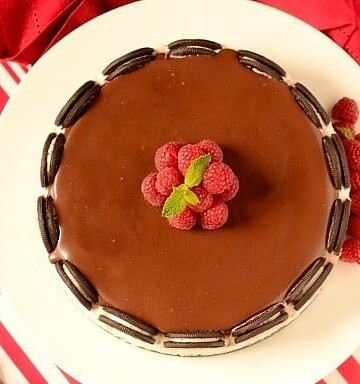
[
  {"x": 27, "y": 359},
  {"x": 10, "y": 75},
  {"x": 20, "y": 363}
]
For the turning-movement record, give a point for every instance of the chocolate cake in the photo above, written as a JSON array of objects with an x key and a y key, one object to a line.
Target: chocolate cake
[{"x": 194, "y": 292}]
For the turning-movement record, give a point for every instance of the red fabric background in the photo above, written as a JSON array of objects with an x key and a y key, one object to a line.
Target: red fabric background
[{"x": 29, "y": 28}]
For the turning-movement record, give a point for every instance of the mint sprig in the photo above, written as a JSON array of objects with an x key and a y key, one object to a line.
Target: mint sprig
[
  {"x": 347, "y": 133},
  {"x": 195, "y": 172},
  {"x": 176, "y": 202},
  {"x": 182, "y": 195}
]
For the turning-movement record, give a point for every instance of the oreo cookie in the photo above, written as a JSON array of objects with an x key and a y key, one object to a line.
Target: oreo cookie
[
  {"x": 262, "y": 59},
  {"x": 257, "y": 320},
  {"x": 202, "y": 43},
  {"x": 191, "y": 51},
  {"x": 338, "y": 221},
  {"x": 126, "y": 330},
  {"x": 129, "y": 67},
  {"x": 49, "y": 228},
  {"x": 298, "y": 287},
  {"x": 260, "y": 67},
  {"x": 333, "y": 225},
  {"x": 189, "y": 344},
  {"x": 55, "y": 158},
  {"x": 306, "y": 107},
  {"x": 132, "y": 320},
  {"x": 72, "y": 100},
  {"x": 85, "y": 287},
  {"x": 52, "y": 223},
  {"x": 316, "y": 285},
  {"x": 194, "y": 335},
  {"x": 344, "y": 167},
  {"x": 60, "y": 270},
  {"x": 257, "y": 331},
  {"x": 44, "y": 177},
  {"x": 81, "y": 105},
  {"x": 314, "y": 101},
  {"x": 141, "y": 52},
  {"x": 345, "y": 215},
  {"x": 333, "y": 162}
]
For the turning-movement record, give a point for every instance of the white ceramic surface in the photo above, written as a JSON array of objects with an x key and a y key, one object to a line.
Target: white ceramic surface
[{"x": 304, "y": 352}]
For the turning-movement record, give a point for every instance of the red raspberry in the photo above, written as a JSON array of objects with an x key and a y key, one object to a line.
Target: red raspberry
[
  {"x": 215, "y": 217},
  {"x": 355, "y": 180},
  {"x": 357, "y": 137},
  {"x": 209, "y": 146},
  {"x": 167, "y": 155},
  {"x": 149, "y": 191},
  {"x": 344, "y": 130},
  {"x": 352, "y": 149},
  {"x": 186, "y": 155},
  {"x": 354, "y": 226},
  {"x": 184, "y": 220},
  {"x": 218, "y": 178},
  {"x": 167, "y": 179},
  {"x": 345, "y": 110},
  {"x": 351, "y": 251},
  {"x": 231, "y": 192},
  {"x": 355, "y": 203},
  {"x": 205, "y": 199}
]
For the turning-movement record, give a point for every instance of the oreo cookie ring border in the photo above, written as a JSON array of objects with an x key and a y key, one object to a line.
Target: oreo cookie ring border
[{"x": 260, "y": 325}]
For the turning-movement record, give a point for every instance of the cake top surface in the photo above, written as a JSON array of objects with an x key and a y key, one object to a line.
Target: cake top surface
[{"x": 193, "y": 280}]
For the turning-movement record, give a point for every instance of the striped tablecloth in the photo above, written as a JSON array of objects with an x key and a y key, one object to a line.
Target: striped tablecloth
[{"x": 20, "y": 359}]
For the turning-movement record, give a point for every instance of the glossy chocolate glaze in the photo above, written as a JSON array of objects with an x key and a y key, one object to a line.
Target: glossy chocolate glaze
[{"x": 193, "y": 280}]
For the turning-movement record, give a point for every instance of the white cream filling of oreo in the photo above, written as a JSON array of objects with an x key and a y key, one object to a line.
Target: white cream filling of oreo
[
  {"x": 288, "y": 80},
  {"x": 331, "y": 258},
  {"x": 326, "y": 130},
  {"x": 344, "y": 194},
  {"x": 162, "y": 49},
  {"x": 75, "y": 283}
]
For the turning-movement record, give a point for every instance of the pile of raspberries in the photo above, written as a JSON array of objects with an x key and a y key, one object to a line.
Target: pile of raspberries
[
  {"x": 219, "y": 184},
  {"x": 345, "y": 115}
]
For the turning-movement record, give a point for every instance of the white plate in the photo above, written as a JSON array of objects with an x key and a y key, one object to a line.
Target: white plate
[{"x": 304, "y": 352}]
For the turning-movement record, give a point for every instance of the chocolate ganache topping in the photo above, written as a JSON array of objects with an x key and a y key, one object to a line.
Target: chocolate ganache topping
[{"x": 192, "y": 280}]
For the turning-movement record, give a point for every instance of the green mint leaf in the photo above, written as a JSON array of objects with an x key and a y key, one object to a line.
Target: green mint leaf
[
  {"x": 191, "y": 197},
  {"x": 196, "y": 170},
  {"x": 347, "y": 133},
  {"x": 176, "y": 202}
]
